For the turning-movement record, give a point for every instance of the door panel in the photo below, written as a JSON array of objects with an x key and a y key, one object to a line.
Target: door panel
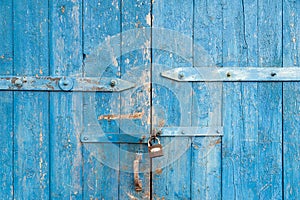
[{"x": 44, "y": 152}]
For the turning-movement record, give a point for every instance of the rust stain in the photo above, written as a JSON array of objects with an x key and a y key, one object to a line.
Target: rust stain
[
  {"x": 137, "y": 115},
  {"x": 215, "y": 142},
  {"x": 158, "y": 171}
]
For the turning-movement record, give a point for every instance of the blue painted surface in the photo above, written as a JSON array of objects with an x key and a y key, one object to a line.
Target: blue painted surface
[{"x": 43, "y": 154}]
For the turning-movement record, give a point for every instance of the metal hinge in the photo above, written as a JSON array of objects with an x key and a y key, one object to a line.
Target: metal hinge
[
  {"x": 227, "y": 74},
  {"x": 74, "y": 84}
]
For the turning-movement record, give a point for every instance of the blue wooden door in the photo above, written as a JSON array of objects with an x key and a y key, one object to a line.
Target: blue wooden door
[{"x": 84, "y": 84}]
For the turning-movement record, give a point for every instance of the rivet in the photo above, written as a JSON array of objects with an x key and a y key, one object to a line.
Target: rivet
[
  {"x": 182, "y": 132},
  {"x": 273, "y": 74},
  {"x": 65, "y": 82},
  {"x": 217, "y": 131},
  {"x": 113, "y": 83},
  {"x": 180, "y": 75},
  {"x": 109, "y": 137},
  {"x": 85, "y": 138},
  {"x": 18, "y": 83},
  {"x": 228, "y": 74}
]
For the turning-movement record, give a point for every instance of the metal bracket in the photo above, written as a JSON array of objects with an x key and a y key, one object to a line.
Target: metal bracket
[
  {"x": 216, "y": 131},
  {"x": 74, "y": 84},
  {"x": 234, "y": 74}
]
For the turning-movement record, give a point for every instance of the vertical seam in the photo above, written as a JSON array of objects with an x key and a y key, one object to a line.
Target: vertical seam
[
  {"x": 13, "y": 102},
  {"x": 151, "y": 93},
  {"x": 49, "y": 101},
  {"x": 282, "y": 101}
]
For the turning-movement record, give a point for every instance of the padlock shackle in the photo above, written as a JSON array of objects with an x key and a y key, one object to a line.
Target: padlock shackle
[{"x": 153, "y": 138}]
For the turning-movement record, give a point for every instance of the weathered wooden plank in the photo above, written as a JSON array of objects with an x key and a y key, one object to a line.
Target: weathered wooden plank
[
  {"x": 135, "y": 67},
  {"x": 206, "y": 108},
  {"x": 31, "y": 113},
  {"x": 239, "y": 147},
  {"x": 252, "y": 142},
  {"x": 101, "y": 46},
  {"x": 66, "y": 108},
  {"x": 270, "y": 101},
  {"x": 6, "y": 99},
  {"x": 206, "y": 168},
  {"x": 172, "y": 101},
  {"x": 291, "y": 102}
]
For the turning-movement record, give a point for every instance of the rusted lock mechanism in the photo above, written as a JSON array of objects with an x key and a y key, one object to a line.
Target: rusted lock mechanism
[{"x": 154, "y": 149}]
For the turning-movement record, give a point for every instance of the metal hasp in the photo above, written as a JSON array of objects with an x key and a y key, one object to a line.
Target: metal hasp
[
  {"x": 219, "y": 74},
  {"x": 74, "y": 84}
]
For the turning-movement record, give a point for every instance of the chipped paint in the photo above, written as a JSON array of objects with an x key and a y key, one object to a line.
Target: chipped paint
[{"x": 149, "y": 19}]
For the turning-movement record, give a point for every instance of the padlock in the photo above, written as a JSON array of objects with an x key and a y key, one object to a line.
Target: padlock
[{"x": 155, "y": 150}]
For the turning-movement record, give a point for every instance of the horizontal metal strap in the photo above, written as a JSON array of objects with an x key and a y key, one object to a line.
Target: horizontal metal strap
[
  {"x": 234, "y": 74},
  {"x": 142, "y": 138},
  {"x": 76, "y": 84}
]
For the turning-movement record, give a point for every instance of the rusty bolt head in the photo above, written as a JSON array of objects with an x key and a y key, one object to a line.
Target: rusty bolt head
[
  {"x": 180, "y": 75},
  {"x": 113, "y": 83}
]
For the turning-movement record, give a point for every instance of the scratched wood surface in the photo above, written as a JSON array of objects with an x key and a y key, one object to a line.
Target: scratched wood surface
[
  {"x": 41, "y": 153},
  {"x": 291, "y": 99},
  {"x": 252, "y": 142},
  {"x": 135, "y": 67},
  {"x": 65, "y": 108},
  {"x": 6, "y": 99},
  {"x": 101, "y": 161},
  {"x": 31, "y": 109}
]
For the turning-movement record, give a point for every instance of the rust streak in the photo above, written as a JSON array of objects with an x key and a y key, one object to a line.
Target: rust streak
[{"x": 137, "y": 115}]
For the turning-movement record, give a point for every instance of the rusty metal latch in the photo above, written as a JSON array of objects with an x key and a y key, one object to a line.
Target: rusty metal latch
[
  {"x": 233, "y": 74},
  {"x": 137, "y": 182},
  {"x": 73, "y": 84}
]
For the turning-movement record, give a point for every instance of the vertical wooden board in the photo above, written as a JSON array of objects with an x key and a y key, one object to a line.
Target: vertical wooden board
[
  {"x": 31, "y": 113},
  {"x": 206, "y": 168},
  {"x": 100, "y": 180},
  {"x": 291, "y": 102},
  {"x": 240, "y": 141},
  {"x": 171, "y": 174},
  {"x": 101, "y": 161},
  {"x": 206, "y": 110},
  {"x": 270, "y": 101},
  {"x": 6, "y": 99},
  {"x": 135, "y": 67},
  {"x": 172, "y": 101},
  {"x": 66, "y": 108},
  {"x": 253, "y": 151}
]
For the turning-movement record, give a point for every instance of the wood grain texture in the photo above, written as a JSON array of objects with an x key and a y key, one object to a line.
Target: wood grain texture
[
  {"x": 206, "y": 110},
  {"x": 135, "y": 67},
  {"x": 101, "y": 161},
  {"x": 6, "y": 105},
  {"x": 66, "y": 108},
  {"x": 252, "y": 111},
  {"x": 31, "y": 113},
  {"x": 291, "y": 102},
  {"x": 172, "y": 101}
]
